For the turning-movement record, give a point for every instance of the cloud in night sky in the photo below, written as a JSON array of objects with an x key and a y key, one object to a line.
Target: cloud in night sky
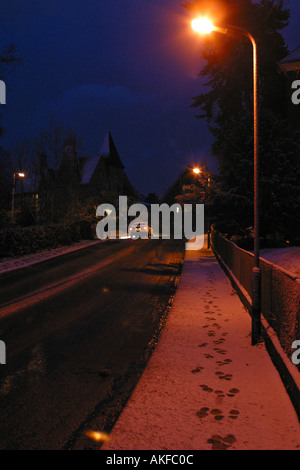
[
  {"x": 129, "y": 67},
  {"x": 114, "y": 95}
]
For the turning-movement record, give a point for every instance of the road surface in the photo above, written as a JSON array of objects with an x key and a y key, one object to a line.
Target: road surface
[{"x": 78, "y": 331}]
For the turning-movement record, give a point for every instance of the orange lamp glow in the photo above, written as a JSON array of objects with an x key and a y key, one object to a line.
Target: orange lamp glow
[
  {"x": 97, "y": 436},
  {"x": 196, "y": 171},
  {"x": 202, "y": 25}
]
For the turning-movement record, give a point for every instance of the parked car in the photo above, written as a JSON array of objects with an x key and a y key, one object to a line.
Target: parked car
[{"x": 140, "y": 230}]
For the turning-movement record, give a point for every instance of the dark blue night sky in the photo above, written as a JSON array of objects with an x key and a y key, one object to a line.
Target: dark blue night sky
[{"x": 128, "y": 67}]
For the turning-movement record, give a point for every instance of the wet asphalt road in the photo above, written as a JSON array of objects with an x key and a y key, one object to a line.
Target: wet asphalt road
[{"x": 79, "y": 330}]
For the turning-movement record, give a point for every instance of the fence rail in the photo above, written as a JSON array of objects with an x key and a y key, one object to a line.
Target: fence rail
[{"x": 280, "y": 290}]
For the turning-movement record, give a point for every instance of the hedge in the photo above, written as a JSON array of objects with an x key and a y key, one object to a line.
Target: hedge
[{"x": 25, "y": 240}]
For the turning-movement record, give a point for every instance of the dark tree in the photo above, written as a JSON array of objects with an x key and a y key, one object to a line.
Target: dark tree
[
  {"x": 6, "y": 172},
  {"x": 227, "y": 106},
  {"x": 8, "y": 60},
  {"x": 56, "y": 164},
  {"x": 152, "y": 198}
]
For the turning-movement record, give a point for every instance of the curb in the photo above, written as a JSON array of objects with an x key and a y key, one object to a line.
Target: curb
[{"x": 289, "y": 374}]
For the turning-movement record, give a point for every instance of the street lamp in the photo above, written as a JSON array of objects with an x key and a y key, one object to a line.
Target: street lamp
[
  {"x": 205, "y": 26},
  {"x": 200, "y": 170},
  {"x": 19, "y": 175},
  {"x": 205, "y": 173}
]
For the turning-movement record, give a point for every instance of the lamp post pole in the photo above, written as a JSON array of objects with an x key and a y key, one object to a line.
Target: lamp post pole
[
  {"x": 20, "y": 175},
  {"x": 13, "y": 199},
  {"x": 256, "y": 273}
]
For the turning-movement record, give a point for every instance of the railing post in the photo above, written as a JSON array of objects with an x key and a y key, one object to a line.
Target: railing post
[{"x": 208, "y": 235}]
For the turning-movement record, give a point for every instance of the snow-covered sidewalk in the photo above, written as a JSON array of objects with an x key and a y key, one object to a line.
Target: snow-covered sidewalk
[{"x": 205, "y": 386}]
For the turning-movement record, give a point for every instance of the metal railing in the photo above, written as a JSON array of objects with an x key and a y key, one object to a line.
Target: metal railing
[{"x": 280, "y": 290}]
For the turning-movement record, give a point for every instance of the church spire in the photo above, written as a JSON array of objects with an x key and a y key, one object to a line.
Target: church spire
[{"x": 109, "y": 151}]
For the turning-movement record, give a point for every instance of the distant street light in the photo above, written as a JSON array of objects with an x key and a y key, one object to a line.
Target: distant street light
[
  {"x": 19, "y": 175},
  {"x": 197, "y": 171},
  {"x": 205, "y": 26},
  {"x": 202, "y": 170}
]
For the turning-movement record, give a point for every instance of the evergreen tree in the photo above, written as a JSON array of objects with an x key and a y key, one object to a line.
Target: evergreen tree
[
  {"x": 227, "y": 107},
  {"x": 152, "y": 198}
]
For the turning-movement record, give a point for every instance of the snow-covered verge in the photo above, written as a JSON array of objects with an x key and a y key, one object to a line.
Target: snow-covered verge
[
  {"x": 286, "y": 258},
  {"x": 11, "y": 263}
]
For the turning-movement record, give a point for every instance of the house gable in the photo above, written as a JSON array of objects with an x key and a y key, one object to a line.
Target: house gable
[{"x": 104, "y": 172}]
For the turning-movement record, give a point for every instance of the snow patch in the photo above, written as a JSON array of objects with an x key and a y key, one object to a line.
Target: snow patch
[
  {"x": 9, "y": 264},
  {"x": 286, "y": 258}
]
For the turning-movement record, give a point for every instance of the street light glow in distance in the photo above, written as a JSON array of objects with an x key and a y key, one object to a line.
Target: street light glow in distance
[
  {"x": 196, "y": 171},
  {"x": 202, "y": 25}
]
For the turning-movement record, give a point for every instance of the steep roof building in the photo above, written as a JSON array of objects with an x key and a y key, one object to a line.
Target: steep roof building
[
  {"x": 47, "y": 191},
  {"x": 104, "y": 172},
  {"x": 291, "y": 63}
]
